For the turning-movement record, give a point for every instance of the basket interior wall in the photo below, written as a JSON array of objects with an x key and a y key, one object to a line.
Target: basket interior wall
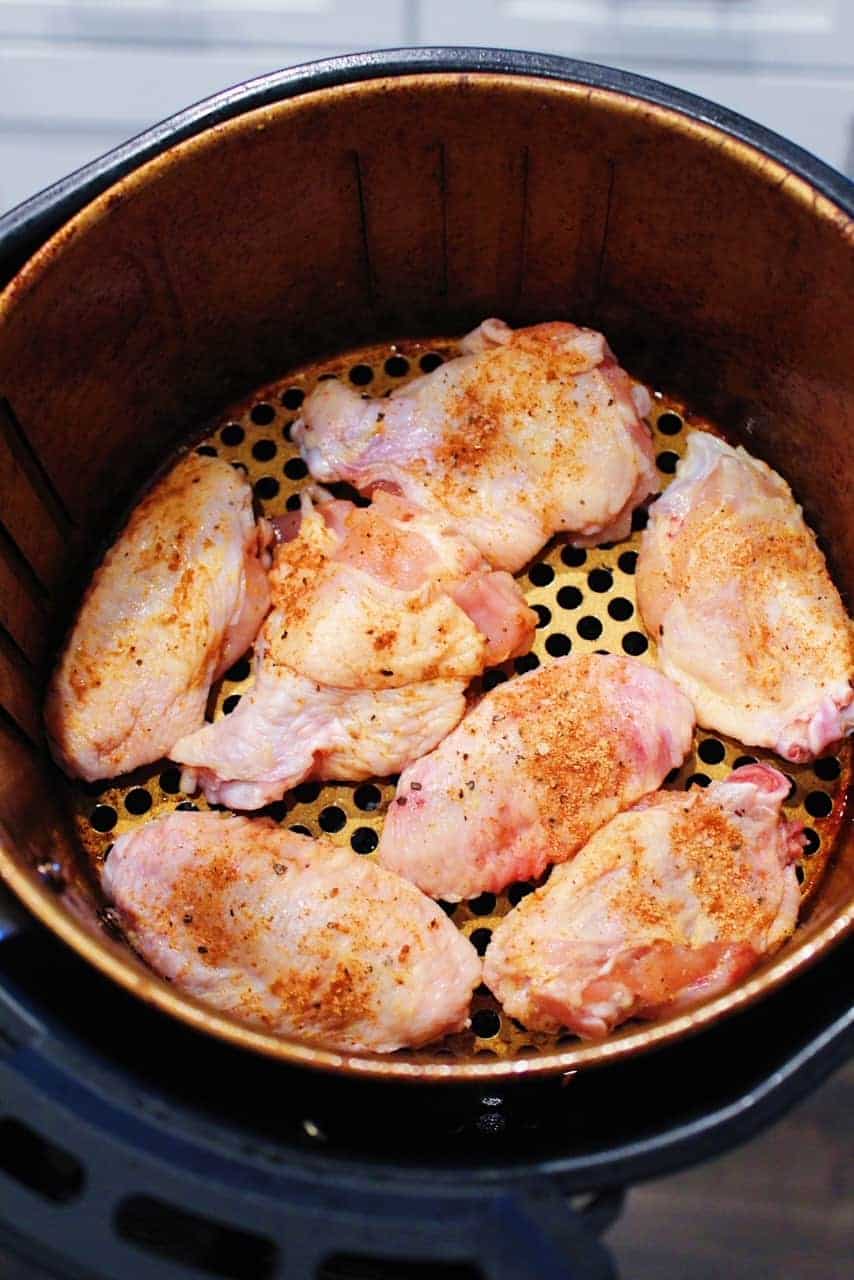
[{"x": 389, "y": 209}]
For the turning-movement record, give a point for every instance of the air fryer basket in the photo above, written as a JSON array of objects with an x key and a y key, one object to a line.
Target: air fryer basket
[{"x": 393, "y": 209}]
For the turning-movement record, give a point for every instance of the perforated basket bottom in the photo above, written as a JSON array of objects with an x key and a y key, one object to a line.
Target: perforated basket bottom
[{"x": 586, "y": 603}]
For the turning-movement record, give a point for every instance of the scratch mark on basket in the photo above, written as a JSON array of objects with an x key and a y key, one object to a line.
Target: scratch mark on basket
[
  {"x": 606, "y": 227},
  {"x": 443, "y": 193},
  {"x": 519, "y": 284},
  {"x": 28, "y": 460},
  {"x": 370, "y": 276}
]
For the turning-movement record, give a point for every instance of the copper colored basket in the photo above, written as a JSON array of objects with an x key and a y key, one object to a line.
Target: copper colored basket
[{"x": 201, "y": 292}]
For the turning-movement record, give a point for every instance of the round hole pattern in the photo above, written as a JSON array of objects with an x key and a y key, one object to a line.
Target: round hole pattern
[{"x": 573, "y": 590}]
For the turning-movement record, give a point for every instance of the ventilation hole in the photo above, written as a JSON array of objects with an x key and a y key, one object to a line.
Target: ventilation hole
[
  {"x": 357, "y": 1266},
  {"x": 603, "y": 653},
  {"x": 230, "y": 703},
  {"x": 600, "y": 580},
  {"x": 138, "y": 801},
  {"x": 672, "y": 776},
  {"x": 669, "y": 424},
  {"x": 367, "y": 797},
  {"x": 37, "y": 1163},
  {"x": 328, "y": 377},
  {"x": 483, "y": 904},
  {"x": 569, "y": 597},
  {"x": 307, "y": 792},
  {"x": 573, "y": 557},
  {"x": 800, "y": 874},
  {"x": 332, "y": 818},
  {"x": 361, "y": 375},
  {"x": 812, "y": 843},
  {"x": 620, "y": 609},
  {"x": 541, "y": 574},
  {"x": 207, "y": 451},
  {"x": 287, "y": 429},
  {"x": 588, "y": 627},
  {"x": 543, "y": 613},
  {"x": 628, "y": 561},
  {"x": 448, "y": 907},
  {"x": 430, "y": 362},
  {"x": 293, "y": 502},
  {"x": 232, "y": 434},
  {"x": 635, "y": 643},
  {"x": 711, "y": 751},
  {"x": 103, "y": 817},
  {"x": 396, "y": 366},
  {"x": 266, "y": 488},
  {"x": 527, "y": 662},
  {"x": 299, "y": 830},
  {"x": 262, "y": 414},
  {"x": 293, "y": 398},
  {"x": 191, "y": 1240},
  {"x": 238, "y": 466},
  {"x": 518, "y": 891},
  {"x": 170, "y": 781},
  {"x": 485, "y": 1023},
  {"x": 828, "y": 768},
  {"x": 640, "y": 519},
  {"x": 240, "y": 671},
  {"x": 792, "y": 794},
  {"x": 187, "y": 806},
  {"x": 697, "y": 780},
  {"x": 364, "y": 839},
  {"x": 480, "y": 940},
  {"x": 493, "y": 677},
  {"x": 558, "y": 645},
  {"x": 818, "y": 804},
  {"x": 276, "y": 810},
  {"x": 741, "y": 761},
  {"x": 264, "y": 450},
  {"x": 667, "y": 461}
]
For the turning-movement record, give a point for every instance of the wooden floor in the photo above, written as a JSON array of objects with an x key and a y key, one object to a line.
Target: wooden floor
[{"x": 780, "y": 1208}]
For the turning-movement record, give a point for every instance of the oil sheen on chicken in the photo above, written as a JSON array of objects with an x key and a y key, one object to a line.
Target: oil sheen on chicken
[
  {"x": 176, "y": 600},
  {"x": 736, "y": 592},
  {"x": 538, "y": 765},
  {"x": 290, "y": 934},
  {"x": 670, "y": 903},
  {"x": 381, "y": 617},
  {"x": 527, "y": 434}
]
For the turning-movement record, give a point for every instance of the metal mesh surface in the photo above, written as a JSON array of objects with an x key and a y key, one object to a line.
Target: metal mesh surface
[{"x": 586, "y": 603}]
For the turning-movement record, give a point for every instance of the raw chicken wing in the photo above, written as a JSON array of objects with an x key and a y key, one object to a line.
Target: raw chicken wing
[
  {"x": 668, "y": 904},
  {"x": 527, "y": 434},
  {"x": 290, "y": 934},
  {"x": 734, "y": 589},
  {"x": 381, "y": 618},
  {"x": 176, "y": 600},
  {"x": 532, "y": 772}
]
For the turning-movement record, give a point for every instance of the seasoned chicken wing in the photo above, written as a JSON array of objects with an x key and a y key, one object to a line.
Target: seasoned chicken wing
[
  {"x": 291, "y": 934},
  {"x": 668, "y": 904},
  {"x": 527, "y": 434},
  {"x": 176, "y": 600},
  {"x": 381, "y": 617},
  {"x": 538, "y": 765},
  {"x": 734, "y": 589}
]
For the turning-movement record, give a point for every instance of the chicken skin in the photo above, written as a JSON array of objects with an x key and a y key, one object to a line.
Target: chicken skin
[
  {"x": 668, "y": 904},
  {"x": 734, "y": 589},
  {"x": 176, "y": 600},
  {"x": 528, "y": 433},
  {"x": 290, "y": 934},
  {"x": 381, "y": 618},
  {"x": 528, "y": 776}
]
